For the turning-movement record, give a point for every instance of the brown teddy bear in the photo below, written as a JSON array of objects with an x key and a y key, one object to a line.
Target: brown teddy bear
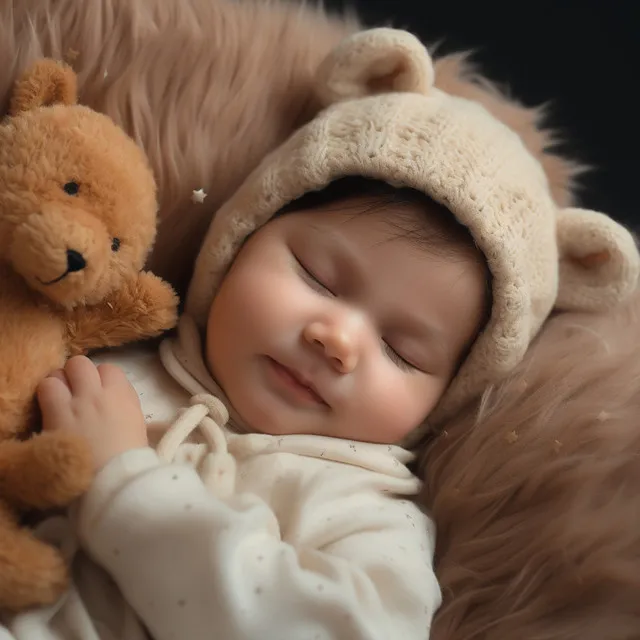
[{"x": 77, "y": 220}]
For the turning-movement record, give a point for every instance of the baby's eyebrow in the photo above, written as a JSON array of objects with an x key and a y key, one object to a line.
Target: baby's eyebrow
[
  {"x": 420, "y": 328},
  {"x": 349, "y": 263}
]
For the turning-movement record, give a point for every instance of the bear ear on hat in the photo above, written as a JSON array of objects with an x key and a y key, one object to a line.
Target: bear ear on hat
[
  {"x": 46, "y": 82},
  {"x": 599, "y": 261},
  {"x": 375, "y": 61}
]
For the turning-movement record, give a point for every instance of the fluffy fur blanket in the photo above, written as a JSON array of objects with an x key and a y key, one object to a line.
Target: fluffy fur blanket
[{"x": 537, "y": 491}]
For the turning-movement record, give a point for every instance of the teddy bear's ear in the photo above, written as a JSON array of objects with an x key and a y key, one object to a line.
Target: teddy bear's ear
[
  {"x": 45, "y": 83},
  {"x": 375, "y": 61},
  {"x": 599, "y": 261}
]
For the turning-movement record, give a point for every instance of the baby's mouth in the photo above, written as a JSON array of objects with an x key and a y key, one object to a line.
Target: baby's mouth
[{"x": 297, "y": 382}]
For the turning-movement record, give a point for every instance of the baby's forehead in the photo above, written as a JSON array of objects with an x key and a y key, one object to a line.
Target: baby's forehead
[{"x": 424, "y": 225}]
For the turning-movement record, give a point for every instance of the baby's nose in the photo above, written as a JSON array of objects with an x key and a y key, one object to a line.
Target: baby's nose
[{"x": 338, "y": 343}]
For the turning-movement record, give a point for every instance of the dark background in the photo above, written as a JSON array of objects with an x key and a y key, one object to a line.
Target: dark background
[{"x": 581, "y": 56}]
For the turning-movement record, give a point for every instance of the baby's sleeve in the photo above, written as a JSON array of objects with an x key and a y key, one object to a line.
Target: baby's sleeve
[{"x": 193, "y": 566}]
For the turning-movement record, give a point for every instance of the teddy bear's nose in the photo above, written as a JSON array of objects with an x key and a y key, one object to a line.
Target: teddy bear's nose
[{"x": 75, "y": 261}]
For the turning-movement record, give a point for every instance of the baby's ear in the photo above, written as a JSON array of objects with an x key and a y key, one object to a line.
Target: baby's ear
[
  {"x": 45, "y": 83},
  {"x": 599, "y": 261},
  {"x": 375, "y": 61}
]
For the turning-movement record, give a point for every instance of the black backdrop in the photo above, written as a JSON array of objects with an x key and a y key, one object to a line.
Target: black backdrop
[{"x": 582, "y": 56}]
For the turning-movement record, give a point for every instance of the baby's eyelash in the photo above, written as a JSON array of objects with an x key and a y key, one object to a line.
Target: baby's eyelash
[
  {"x": 312, "y": 278},
  {"x": 397, "y": 359}
]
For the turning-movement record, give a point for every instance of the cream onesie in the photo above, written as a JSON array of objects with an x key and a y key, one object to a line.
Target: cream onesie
[{"x": 219, "y": 534}]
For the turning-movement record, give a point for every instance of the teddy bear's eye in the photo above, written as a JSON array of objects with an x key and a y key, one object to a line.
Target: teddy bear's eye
[
  {"x": 115, "y": 244},
  {"x": 71, "y": 188}
]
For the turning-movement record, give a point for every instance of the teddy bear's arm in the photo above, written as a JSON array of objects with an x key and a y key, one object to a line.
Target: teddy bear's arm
[
  {"x": 32, "y": 572},
  {"x": 143, "y": 308},
  {"x": 48, "y": 470}
]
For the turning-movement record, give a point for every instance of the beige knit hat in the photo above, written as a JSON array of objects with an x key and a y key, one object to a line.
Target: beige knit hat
[{"x": 385, "y": 120}]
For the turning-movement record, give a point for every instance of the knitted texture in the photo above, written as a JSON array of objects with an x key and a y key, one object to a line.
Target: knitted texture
[{"x": 385, "y": 120}]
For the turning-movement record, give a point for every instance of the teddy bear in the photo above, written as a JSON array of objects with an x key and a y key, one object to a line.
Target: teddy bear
[{"x": 77, "y": 221}]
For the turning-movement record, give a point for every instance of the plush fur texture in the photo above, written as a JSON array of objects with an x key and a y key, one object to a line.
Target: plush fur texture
[
  {"x": 69, "y": 180},
  {"x": 208, "y": 87},
  {"x": 536, "y": 494}
]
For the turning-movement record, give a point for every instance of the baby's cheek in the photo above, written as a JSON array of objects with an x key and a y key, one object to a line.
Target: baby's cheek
[{"x": 397, "y": 407}]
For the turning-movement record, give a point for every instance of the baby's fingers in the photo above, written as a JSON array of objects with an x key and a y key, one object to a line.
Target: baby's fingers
[
  {"x": 112, "y": 376},
  {"x": 83, "y": 376},
  {"x": 59, "y": 374},
  {"x": 54, "y": 397}
]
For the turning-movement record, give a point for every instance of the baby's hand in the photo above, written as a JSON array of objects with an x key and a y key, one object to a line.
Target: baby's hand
[{"x": 98, "y": 403}]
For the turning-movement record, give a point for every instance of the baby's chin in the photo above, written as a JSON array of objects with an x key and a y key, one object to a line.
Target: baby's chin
[
  {"x": 275, "y": 421},
  {"x": 249, "y": 417}
]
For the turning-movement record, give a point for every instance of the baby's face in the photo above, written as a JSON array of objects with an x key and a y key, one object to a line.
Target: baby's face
[{"x": 329, "y": 323}]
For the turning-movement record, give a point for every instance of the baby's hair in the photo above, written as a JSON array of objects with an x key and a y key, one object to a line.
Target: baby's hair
[{"x": 437, "y": 230}]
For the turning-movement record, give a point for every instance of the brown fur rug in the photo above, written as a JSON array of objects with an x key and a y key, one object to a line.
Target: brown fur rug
[
  {"x": 537, "y": 498},
  {"x": 536, "y": 494}
]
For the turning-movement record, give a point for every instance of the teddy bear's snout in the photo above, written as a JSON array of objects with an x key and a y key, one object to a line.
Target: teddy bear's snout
[
  {"x": 63, "y": 253},
  {"x": 75, "y": 261}
]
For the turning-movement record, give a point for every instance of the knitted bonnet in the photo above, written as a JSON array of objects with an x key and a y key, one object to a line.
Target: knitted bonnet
[{"x": 385, "y": 120}]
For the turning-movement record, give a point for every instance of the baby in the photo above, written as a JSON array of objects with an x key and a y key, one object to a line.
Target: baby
[{"x": 386, "y": 265}]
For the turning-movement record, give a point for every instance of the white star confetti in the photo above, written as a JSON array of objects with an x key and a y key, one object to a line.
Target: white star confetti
[
  {"x": 511, "y": 437},
  {"x": 197, "y": 197},
  {"x": 71, "y": 54}
]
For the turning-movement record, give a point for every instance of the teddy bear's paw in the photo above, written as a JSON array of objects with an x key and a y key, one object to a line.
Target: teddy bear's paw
[
  {"x": 32, "y": 573},
  {"x": 160, "y": 303},
  {"x": 16, "y": 412},
  {"x": 60, "y": 470}
]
